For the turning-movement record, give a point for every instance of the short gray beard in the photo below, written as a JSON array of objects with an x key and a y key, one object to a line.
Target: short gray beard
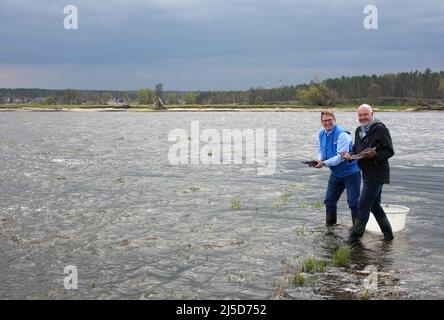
[{"x": 364, "y": 125}]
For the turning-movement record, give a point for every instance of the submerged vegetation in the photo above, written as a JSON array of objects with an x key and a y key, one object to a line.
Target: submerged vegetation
[
  {"x": 341, "y": 257},
  {"x": 300, "y": 231},
  {"x": 366, "y": 295},
  {"x": 307, "y": 267},
  {"x": 235, "y": 204},
  {"x": 312, "y": 265},
  {"x": 283, "y": 201},
  {"x": 314, "y": 205},
  {"x": 299, "y": 279}
]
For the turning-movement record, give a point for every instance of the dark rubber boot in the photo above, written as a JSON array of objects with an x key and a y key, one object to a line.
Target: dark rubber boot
[
  {"x": 386, "y": 228},
  {"x": 354, "y": 214},
  {"x": 331, "y": 219},
  {"x": 357, "y": 232}
]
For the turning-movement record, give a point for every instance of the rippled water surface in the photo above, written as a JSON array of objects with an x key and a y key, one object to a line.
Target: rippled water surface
[{"x": 96, "y": 190}]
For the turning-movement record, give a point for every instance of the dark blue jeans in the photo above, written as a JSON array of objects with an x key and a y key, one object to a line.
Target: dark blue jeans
[
  {"x": 370, "y": 201},
  {"x": 335, "y": 189}
]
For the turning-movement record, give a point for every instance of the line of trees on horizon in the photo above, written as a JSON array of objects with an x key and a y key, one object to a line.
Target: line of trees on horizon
[{"x": 415, "y": 87}]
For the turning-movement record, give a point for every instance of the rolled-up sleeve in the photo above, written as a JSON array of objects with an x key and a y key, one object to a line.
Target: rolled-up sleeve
[{"x": 343, "y": 144}]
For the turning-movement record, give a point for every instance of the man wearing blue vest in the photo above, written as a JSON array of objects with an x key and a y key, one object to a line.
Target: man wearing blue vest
[{"x": 333, "y": 140}]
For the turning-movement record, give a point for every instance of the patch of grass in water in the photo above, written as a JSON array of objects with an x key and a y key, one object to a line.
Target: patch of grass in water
[
  {"x": 366, "y": 295},
  {"x": 303, "y": 205},
  {"x": 193, "y": 296},
  {"x": 235, "y": 204},
  {"x": 300, "y": 231},
  {"x": 312, "y": 265},
  {"x": 341, "y": 257},
  {"x": 283, "y": 201},
  {"x": 318, "y": 205},
  {"x": 146, "y": 295},
  {"x": 314, "y": 205},
  {"x": 285, "y": 197},
  {"x": 242, "y": 278},
  {"x": 299, "y": 279}
]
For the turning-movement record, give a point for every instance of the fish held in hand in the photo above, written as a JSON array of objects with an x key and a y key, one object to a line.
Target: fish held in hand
[
  {"x": 364, "y": 154},
  {"x": 311, "y": 163}
]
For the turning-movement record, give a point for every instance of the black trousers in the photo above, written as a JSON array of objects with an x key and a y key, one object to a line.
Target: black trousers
[{"x": 370, "y": 201}]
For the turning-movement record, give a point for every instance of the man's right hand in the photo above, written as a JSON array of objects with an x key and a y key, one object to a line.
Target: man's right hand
[
  {"x": 368, "y": 153},
  {"x": 319, "y": 164}
]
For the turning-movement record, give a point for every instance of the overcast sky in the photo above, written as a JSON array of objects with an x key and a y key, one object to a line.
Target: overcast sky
[{"x": 212, "y": 44}]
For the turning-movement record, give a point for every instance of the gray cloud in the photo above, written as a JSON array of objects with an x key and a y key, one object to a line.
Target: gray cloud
[{"x": 203, "y": 44}]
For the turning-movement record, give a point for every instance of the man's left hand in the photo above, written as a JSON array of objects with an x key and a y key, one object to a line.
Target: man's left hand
[{"x": 345, "y": 155}]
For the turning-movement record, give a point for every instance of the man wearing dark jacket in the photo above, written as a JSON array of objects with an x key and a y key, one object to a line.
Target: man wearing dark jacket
[{"x": 375, "y": 172}]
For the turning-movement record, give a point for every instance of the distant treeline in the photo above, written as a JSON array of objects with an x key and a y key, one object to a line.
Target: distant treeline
[
  {"x": 414, "y": 88},
  {"x": 67, "y": 96}
]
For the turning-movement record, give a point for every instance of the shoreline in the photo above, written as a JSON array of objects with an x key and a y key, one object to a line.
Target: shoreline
[{"x": 216, "y": 109}]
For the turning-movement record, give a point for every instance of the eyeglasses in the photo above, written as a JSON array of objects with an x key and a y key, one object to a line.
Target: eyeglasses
[{"x": 327, "y": 120}]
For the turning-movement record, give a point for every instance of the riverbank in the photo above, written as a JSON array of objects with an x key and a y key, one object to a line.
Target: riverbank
[{"x": 207, "y": 108}]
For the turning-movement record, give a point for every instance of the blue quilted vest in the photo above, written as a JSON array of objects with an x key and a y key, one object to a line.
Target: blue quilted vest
[{"x": 329, "y": 149}]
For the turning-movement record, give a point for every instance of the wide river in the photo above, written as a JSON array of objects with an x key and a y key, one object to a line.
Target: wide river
[{"x": 96, "y": 192}]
